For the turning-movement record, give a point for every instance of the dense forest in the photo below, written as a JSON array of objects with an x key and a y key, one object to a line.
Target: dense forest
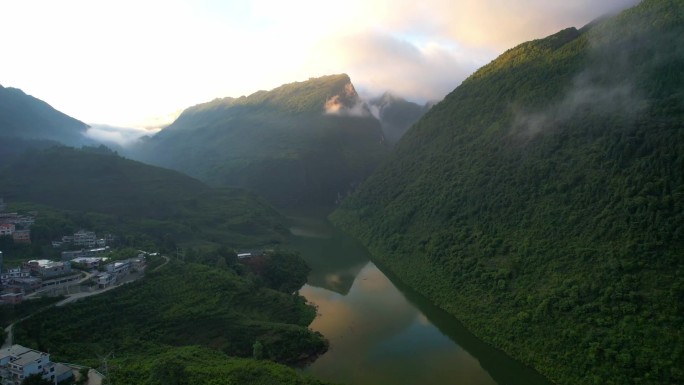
[
  {"x": 396, "y": 115},
  {"x": 541, "y": 202},
  {"x": 95, "y": 189},
  {"x": 301, "y": 143},
  {"x": 210, "y": 303}
]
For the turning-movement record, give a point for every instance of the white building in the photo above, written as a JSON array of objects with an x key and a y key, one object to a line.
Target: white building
[
  {"x": 119, "y": 268},
  {"x": 105, "y": 279},
  {"x": 88, "y": 262},
  {"x": 85, "y": 239},
  {"x": 83, "y": 253},
  {"x": 18, "y": 362}
]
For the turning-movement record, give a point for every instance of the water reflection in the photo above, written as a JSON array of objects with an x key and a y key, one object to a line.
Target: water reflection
[
  {"x": 335, "y": 259},
  {"x": 380, "y": 331},
  {"x": 377, "y": 337}
]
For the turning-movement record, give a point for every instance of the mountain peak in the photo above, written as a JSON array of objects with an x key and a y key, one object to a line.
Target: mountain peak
[{"x": 27, "y": 117}]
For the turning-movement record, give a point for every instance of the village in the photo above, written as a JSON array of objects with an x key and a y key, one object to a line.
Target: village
[
  {"x": 86, "y": 267},
  {"x": 85, "y": 263}
]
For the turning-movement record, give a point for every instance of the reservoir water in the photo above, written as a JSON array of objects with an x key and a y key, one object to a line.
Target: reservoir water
[{"x": 381, "y": 332}]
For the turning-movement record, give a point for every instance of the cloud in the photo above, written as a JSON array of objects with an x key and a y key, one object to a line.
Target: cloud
[
  {"x": 123, "y": 62},
  {"x": 496, "y": 24},
  {"x": 585, "y": 96},
  {"x": 121, "y": 136},
  {"x": 378, "y": 62}
]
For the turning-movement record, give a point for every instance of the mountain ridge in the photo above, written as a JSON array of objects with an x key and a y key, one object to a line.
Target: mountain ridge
[
  {"x": 307, "y": 141},
  {"x": 538, "y": 202},
  {"x": 27, "y": 117}
]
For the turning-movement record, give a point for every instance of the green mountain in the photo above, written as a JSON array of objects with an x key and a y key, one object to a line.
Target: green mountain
[
  {"x": 127, "y": 197},
  {"x": 396, "y": 115},
  {"x": 23, "y": 116},
  {"x": 217, "y": 313},
  {"x": 542, "y": 202},
  {"x": 301, "y": 143}
]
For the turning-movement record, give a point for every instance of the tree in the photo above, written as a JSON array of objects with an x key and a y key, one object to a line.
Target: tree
[
  {"x": 168, "y": 371},
  {"x": 35, "y": 379},
  {"x": 258, "y": 350}
]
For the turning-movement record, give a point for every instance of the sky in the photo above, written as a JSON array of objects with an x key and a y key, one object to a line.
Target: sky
[{"x": 137, "y": 64}]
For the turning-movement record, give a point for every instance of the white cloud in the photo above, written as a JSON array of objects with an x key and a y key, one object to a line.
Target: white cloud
[
  {"x": 125, "y": 62},
  {"x": 121, "y": 136}
]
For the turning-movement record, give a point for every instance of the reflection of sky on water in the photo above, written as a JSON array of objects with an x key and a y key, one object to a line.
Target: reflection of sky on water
[{"x": 377, "y": 337}]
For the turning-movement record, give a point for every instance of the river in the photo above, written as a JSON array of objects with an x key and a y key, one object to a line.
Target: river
[{"x": 380, "y": 331}]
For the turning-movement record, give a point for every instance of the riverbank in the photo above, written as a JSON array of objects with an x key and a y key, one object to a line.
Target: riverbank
[{"x": 379, "y": 330}]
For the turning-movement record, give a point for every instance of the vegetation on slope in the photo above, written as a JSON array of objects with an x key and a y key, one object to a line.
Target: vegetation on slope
[
  {"x": 396, "y": 115},
  {"x": 282, "y": 144},
  {"x": 541, "y": 201},
  {"x": 200, "y": 366},
  {"x": 116, "y": 195},
  {"x": 223, "y": 308},
  {"x": 23, "y": 116}
]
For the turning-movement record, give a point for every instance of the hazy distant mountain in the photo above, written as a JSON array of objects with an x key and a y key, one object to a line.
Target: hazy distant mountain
[
  {"x": 396, "y": 115},
  {"x": 23, "y": 116},
  {"x": 302, "y": 143},
  {"x": 542, "y": 201}
]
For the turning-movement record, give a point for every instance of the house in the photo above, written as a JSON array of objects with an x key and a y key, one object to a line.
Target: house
[
  {"x": 18, "y": 362},
  {"x": 85, "y": 238},
  {"x": 83, "y": 253},
  {"x": 250, "y": 254},
  {"x": 14, "y": 273},
  {"x": 49, "y": 269},
  {"x": 20, "y": 280},
  {"x": 119, "y": 268},
  {"x": 105, "y": 279},
  {"x": 88, "y": 262},
  {"x": 22, "y": 221},
  {"x": 22, "y": 236},
  {"x": 7, "y": 229},
  {"x": 60, "y": 281}
]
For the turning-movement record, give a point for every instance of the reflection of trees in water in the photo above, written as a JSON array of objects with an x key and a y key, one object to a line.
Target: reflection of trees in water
[
  {"x": 373, "y": 311},
  {"x": 335, "y": 258},
  {"x": 502, "y": 368}
]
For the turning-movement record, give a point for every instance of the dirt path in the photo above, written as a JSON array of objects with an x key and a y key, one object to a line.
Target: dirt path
[{"x": 166, "y": 260}]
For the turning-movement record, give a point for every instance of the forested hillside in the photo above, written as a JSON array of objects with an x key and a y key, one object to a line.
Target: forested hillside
[
  {"x": 301, "y": 143},
  {"x": 23, "y": 116},
  {"x": 542, "y": 202},
  {"x": 396, "y": 115},
  {"x": 186, "y": 324},
  {"x": 122, "y": 196}
]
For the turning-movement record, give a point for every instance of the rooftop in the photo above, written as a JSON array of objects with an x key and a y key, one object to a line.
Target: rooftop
[
  {"x": 28, "y": 357},
  {"x": 14, "y": 350}
]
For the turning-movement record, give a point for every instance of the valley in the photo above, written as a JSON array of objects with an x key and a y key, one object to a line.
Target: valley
[
  {"x": 525, "y": 228},
  {"x": 381, "y": 331}
]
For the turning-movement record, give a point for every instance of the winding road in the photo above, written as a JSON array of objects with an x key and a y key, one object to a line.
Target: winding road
[{"x": 9, "y": 330}]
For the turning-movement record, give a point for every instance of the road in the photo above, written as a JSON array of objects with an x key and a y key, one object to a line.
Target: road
[
  {"x": 166, "y": 260},
  {"x": 9, "y": 330}
]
